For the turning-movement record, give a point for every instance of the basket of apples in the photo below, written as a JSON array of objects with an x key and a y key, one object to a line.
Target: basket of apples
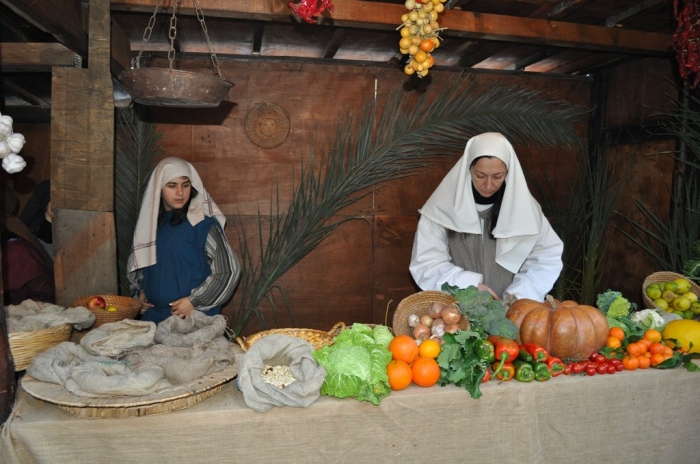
[{"x": 108, "y": 308}]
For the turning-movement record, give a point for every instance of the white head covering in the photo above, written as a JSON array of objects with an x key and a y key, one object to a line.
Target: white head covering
[
  {"x": 452, "y": 203},
  {"x": 143, "y": 253}
]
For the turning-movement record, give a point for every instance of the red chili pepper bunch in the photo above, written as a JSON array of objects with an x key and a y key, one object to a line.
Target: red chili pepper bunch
[
  {"x": 308, "y": 9},
  {"x": 686, "y": 40}
]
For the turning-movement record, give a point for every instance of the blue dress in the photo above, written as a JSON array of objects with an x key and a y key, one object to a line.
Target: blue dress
[{"x": 181, "y": 266}]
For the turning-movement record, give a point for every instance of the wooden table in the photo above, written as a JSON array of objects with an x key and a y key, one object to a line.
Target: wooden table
[{"x": 629, "y": 417}]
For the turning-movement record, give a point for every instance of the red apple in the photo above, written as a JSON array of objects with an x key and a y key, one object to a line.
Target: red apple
[{"x": 97, "y": 302}]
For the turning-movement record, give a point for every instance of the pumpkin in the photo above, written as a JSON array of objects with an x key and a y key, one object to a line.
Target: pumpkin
[
  {"x": 684, "y": 331},
  {"x": 567, "y": 330}
]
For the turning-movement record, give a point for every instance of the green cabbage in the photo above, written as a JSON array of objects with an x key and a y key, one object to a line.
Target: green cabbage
[{"x": 356, "y": 364}]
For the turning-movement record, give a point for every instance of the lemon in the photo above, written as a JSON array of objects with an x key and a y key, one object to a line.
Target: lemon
[
  {"x": 653, "y": 292},
  {"x": 668, "y": 295},
  {"x": 112, "y": 309},
  {"x": 683, "y": 285},
  {"x": 679, "y": 313},
  {"x": 692, "y": 297},
  {"x": 688, "y": 314},
  {"x": 671, "y": 286},
  {"x": 661, "y": 304},
  {"x": 681, "y": 303}
]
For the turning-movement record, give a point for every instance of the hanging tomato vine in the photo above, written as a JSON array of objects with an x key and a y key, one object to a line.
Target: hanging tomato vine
[
  {"x": 686, "y": 40},
  {"x": 419, "y": 34}
]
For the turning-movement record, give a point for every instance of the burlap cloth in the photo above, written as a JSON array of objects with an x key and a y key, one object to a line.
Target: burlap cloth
[
  {"x": 31, "y": 315},
  {"x": 280, "y": 350}
]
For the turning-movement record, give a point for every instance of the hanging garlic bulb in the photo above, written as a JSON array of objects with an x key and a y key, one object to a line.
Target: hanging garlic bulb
[
  {"x": 5, "y": 130},
  {"x": 16, "y": 142},
  {"x": 4, "y": 149},
  {"x": 7, "y": 120},
  {"x": 13, "y": 163},
  {"x": 10, "y": 146}
]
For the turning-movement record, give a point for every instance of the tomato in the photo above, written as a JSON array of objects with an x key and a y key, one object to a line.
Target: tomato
[
  {"x": 620, "y": 367},
  {"x": 601, "y": 369},
  {"x": 567, "y": 369},
  {"x": 590, "y": 370},
  {"x": 577, "y": 368},
  {"x": 615, "y": 362},
  {"x": 610, "y": 369}
]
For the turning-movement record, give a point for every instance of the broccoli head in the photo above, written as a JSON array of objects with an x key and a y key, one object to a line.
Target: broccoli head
[
  {"x": 502, "y": 327},
  {"x": 614, "y": 305}
]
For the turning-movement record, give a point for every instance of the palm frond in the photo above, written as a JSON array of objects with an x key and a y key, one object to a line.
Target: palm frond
[
  {"x": 137, "y": 144},
  {"x": 384, "y": 141}
]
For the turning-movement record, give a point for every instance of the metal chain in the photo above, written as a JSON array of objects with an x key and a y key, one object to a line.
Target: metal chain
[
  {"x": 200, "y": 17},
  {"x": 135, "y": 62},
  {"x": 172, "y": 33}
]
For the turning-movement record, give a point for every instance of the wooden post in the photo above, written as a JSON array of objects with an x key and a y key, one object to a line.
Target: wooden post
[
  {"x": 82, "y": 169},
  {"x": 7, "y": 364}
]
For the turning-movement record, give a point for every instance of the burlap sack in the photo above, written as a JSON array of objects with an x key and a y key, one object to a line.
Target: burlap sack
[
  {"x": 185, "y": 364},
  {"x": 31, "y": 315},
  {"x": 196, "y": 329},
  {"x": 115, "y": 338},
  {"x": 280, "y": 350}
]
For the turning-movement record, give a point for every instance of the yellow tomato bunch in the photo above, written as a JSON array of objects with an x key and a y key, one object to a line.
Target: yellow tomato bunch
[{"x": 419, "y": 34}]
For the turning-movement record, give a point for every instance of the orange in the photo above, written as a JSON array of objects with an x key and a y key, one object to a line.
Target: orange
[
  {"x": 617, "y": 332},
  {"x": 652, "y": 335},
  {"x": 429, "y": 349},
  {"x": 400, "y": 374},
  {"x": 657, "y": 359},
  {"x": 646, "y": 342},
  {"x": 644, "y": 362},
  {"x": 657, "y": 348},
  {"x": 635, "y": 349},
  {"x": 426, "y": 372},
  {"x": 403, "y": 348},
  {"x": 668, "y": 351},
  {"x": 613, "y": 342},
  {"x": 630, "y": 362}
]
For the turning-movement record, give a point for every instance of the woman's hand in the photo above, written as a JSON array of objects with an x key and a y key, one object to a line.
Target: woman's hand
[
  {"x": 182, "y": 307},
  {"x": 483, "y": 287},
  {"x": 144, "y": 302}
]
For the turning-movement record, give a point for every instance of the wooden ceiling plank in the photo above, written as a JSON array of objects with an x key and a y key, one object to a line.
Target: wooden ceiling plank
[
  {"x": 336, "y": 41},
  {"x": 36, "y": 57},
  {"x": 25, "y": 94},
  {"x": 459, "y": 23},
  {"x": 62, "y": 18},
  {"x": 635, "y": 10}
]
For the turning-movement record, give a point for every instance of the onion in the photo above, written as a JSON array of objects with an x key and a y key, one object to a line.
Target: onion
[
  {"x": 439, "y": 322},
  {"x": 451, "y": 314},
  {"x": 413, "y": 320},
  {"x": 427, "y": 320},
  {"x": 421, "y": 332},
  {"x": 452, "y": 328},
  {"x": 435, "y": 309}
]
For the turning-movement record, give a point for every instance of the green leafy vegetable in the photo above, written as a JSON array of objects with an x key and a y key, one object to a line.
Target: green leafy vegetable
[
  {"x": 356, "y": 364},
  {"x": 460, "y": 363},
  {"x": 483, "y": 310},
  {"x": 614, "y": 305}
]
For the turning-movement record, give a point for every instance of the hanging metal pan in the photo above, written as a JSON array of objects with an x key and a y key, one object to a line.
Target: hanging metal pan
[{"x": 172, "y": 87}]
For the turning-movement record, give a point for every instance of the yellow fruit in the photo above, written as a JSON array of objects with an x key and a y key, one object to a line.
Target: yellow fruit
[
  {"x": 661, "y": 304},
  {"x": 112, "y": 309},
  {"x": 683, "y": 285},
  {"x": 684, "y": 332},
  {"x": 429, "y": 348},
  {"x": 668, "y": 295},
  {"x": 681, "y": 303},
  {"x": 671, "y": 286},
  {"x": 420, "y": 56},
  {"x": 688, "y": 314},
  {"x": 692, "y": 297},
  {"x": 653, "y": 292},
  {"x": 404, "y": 43}
]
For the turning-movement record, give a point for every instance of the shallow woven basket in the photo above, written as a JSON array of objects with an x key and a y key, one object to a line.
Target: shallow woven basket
[
  {"x": 127, "y": 307},
  {"x": 317, "y": 338},
  {"x": 419, "y": 304},
  {"x": 25, "y": 346},
  {"x": 664, "y": 276}
]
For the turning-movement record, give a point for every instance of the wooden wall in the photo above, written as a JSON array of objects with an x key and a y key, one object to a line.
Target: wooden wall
[
  {"x": 637, "y": 92},
  {"x": 359, "y": 273}
]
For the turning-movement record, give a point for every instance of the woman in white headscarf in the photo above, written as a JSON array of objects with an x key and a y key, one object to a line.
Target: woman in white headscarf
[
  {"x": 181, "y": 260},
  {"x": 482, "y": 227}
]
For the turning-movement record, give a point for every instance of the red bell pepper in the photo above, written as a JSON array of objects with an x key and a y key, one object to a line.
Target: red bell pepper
[
  {"x": 506, "y": 372},
  {"x": 505, "y": 351},
  {"x": 556, "y": 366},
  {"x": 487, "y": 376},
  {"x": 536, "y": 351}
]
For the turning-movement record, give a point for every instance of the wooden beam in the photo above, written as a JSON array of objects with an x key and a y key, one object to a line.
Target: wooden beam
[
  {"x": 121, "y": 50},
  {"x": 356, "y": 13},
  {"x": 34, "y": 57},
  {"x": 61, "y": 18},
  {"x": 27, "y": 95}
]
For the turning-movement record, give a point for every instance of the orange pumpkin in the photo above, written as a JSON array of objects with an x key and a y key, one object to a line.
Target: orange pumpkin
[{"x": 565, "y": 329}]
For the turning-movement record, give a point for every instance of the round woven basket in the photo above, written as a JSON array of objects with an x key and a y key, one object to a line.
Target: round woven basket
[
  {"x": 127, "y": 308},
  {"x": 25, "y": 346},
  {"x": 317, "y": 338},
  {"x": 664, "y": 276},
  {"x": 419, "y": 304}
]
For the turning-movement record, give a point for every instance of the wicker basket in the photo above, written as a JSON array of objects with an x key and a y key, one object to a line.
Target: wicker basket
[
  {"x": 664, "y": 276},
  {"x": 419, "y": 304},
  {"x": 25, "y": 346},
  {"x": 127, "y": 308},
  {"x": 317, "y": 338}
]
